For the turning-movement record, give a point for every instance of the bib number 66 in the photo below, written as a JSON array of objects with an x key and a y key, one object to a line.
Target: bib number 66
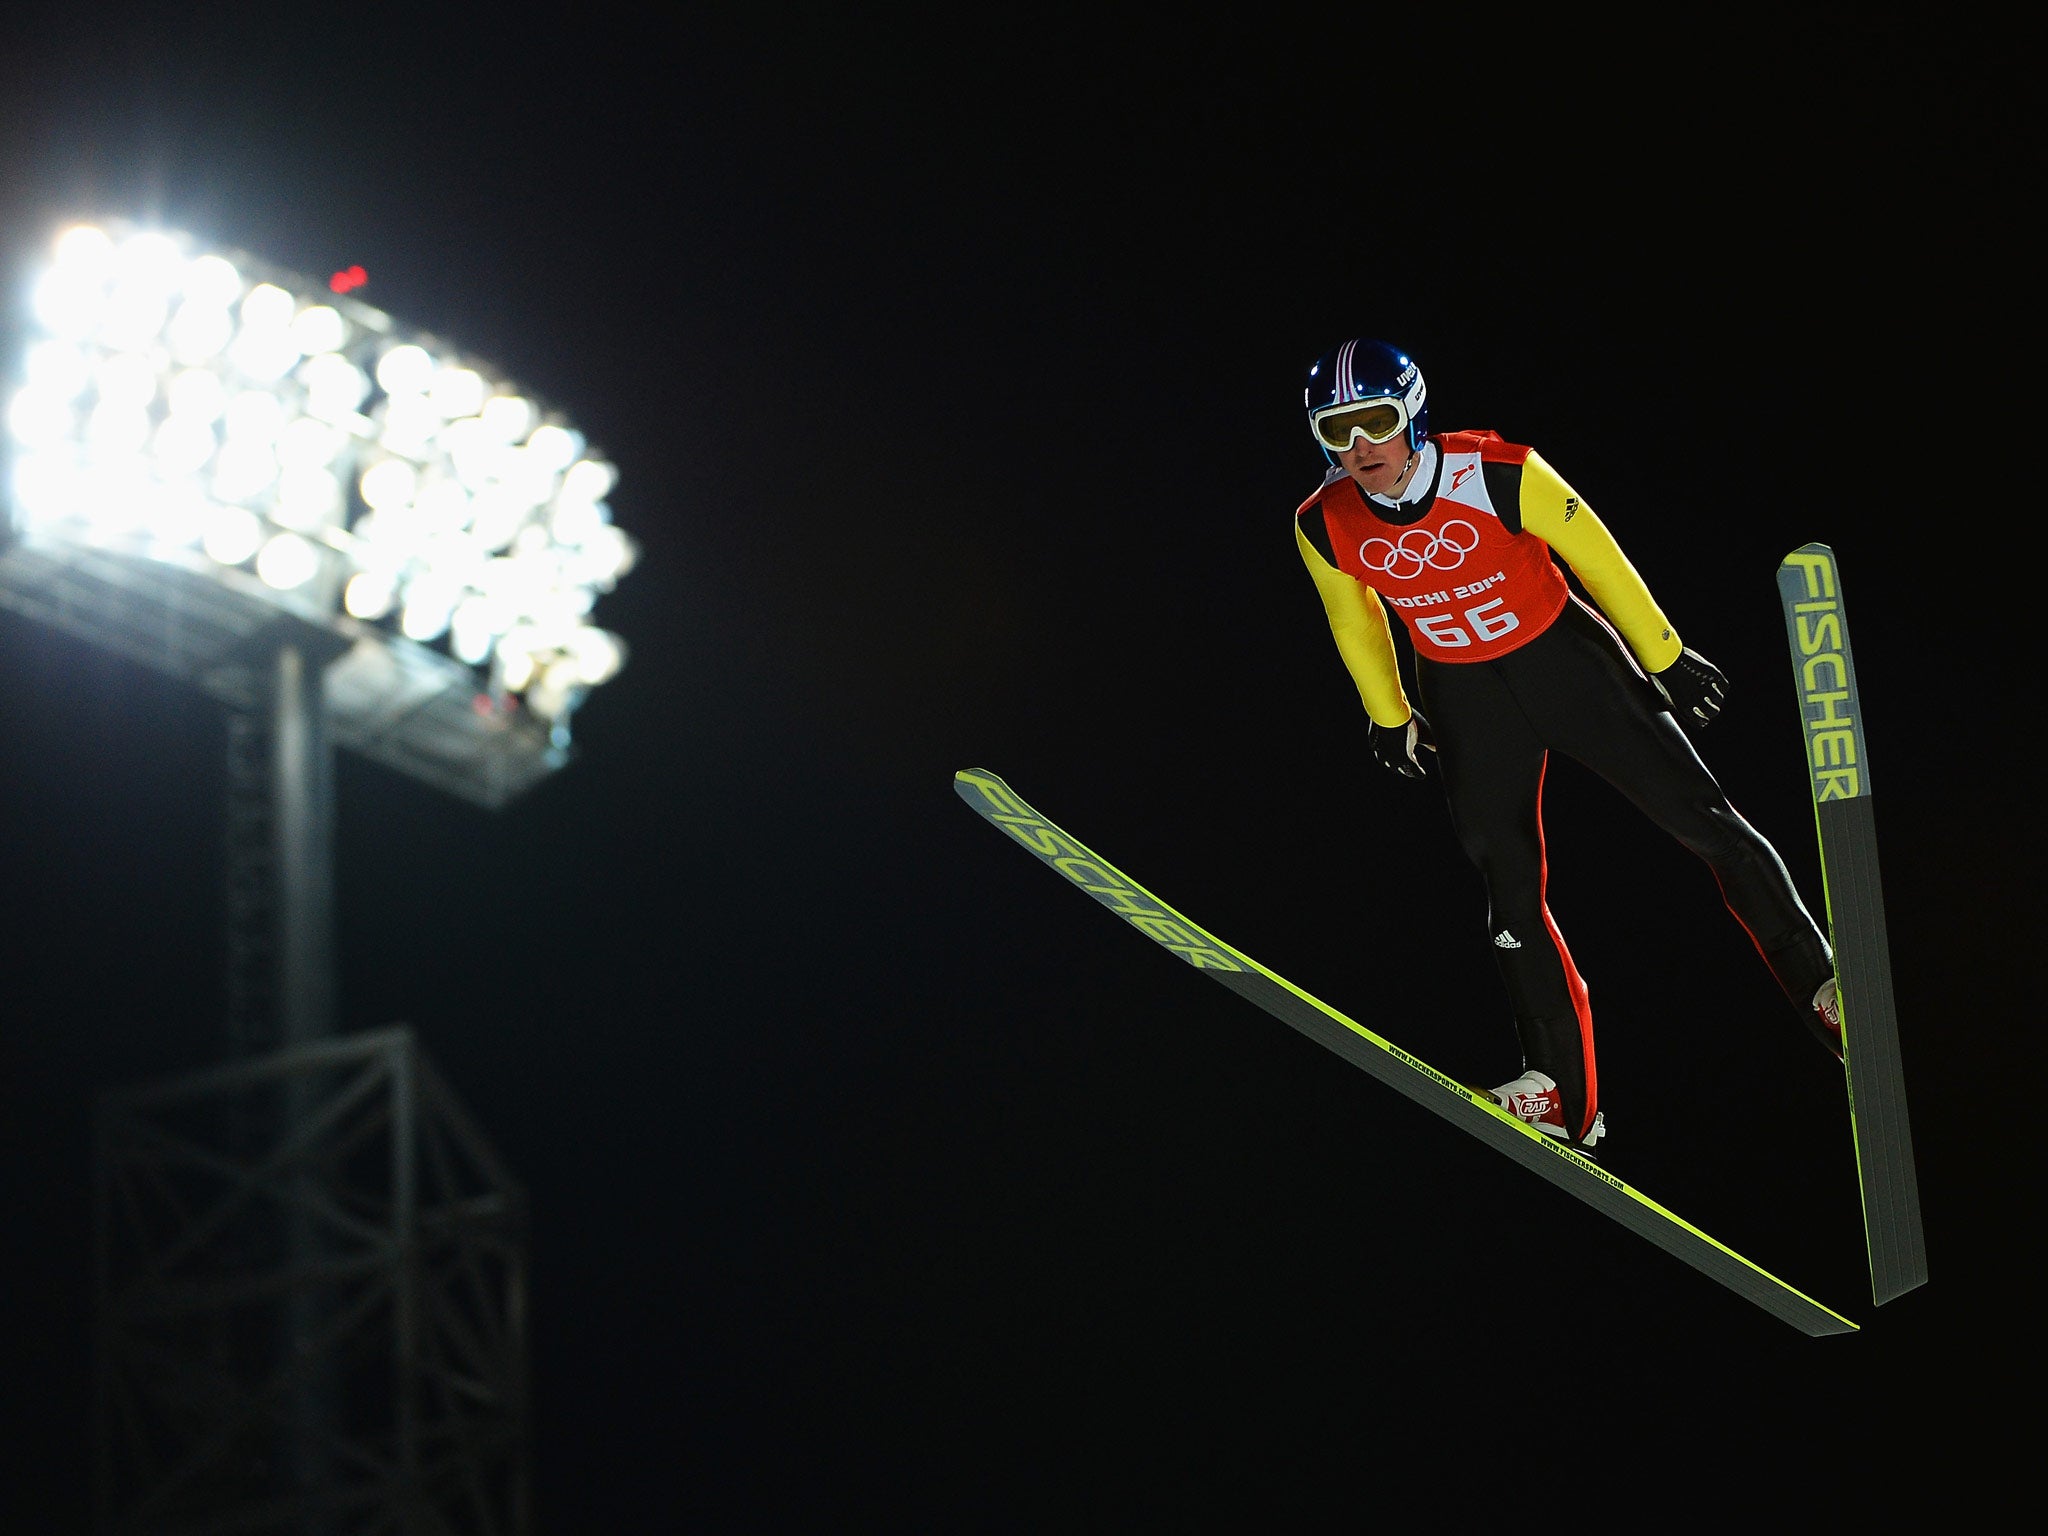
[{"x": 1447, "y": 632}]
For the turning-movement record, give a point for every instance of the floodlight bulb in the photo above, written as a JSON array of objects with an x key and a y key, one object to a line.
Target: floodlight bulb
[
  {"x": 127, "y": 378},
  {"x": 473, "y": 629},
  {"x": 309, "y": 442},
  {"x": 67, "y": 303},
  {"x": 267, "y": 307},
  {"x": 526, "y": 477},
  {"x": 497, "y": 514},
  {"x": 116, "y": 498},
  {"x": 469, "y": 644},
  {"x": 388, "y": 483},
  {"x": 118, "y": 427},
  {"x": 242, "y": 471},
  {"x": 575, "y": 521},
  {"x": 507, "y": 418},
  {"x": 553, "y": 693},
  {"x": 287, "y": 561},
  {"x": 334, "y": 386},
  {"x": 308, "y": 495},
  {"x": 262, "y": 354},
  {"x": 45, "y": 487},
  {"x": 429, "y": 602},
  {"x": 588, "y": 480},
  {"x": 457, "y": 392},
  {"x": 232, "y": 534},
  {"x": 369, "y": 594},
  {"x": 197, "y": 393},
  {"x": 513, "y": 582},
  {"x": 39, "y": 419},
  {"x": 150, "y": 260},
  {"x": 515, "y": 667},
  {"x": 472, "y": 453},
  {"x": 56, "y": 368},
  {"x": 254, "y": 416},
  {"x": 554, "y": 446},
  {"x": 133, "y": 318},
  {"x": 199, "y": 332},
  {"x": 606, "y": 556},
  {"x": 405, "y": 370},
  {"x": 443, "y": 506},
  {"x": 598, "y": 656},
  {"x": 410, "y": 422},
  {"x": 179, "y": 516},
  {"x": 86, "y": 249},
  {"x": 319, "y": 328},
  {"x": 183, "y": 443},
  {"x": 212, "y": 281}
]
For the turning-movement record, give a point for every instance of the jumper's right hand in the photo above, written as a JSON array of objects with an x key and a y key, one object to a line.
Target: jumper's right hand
[{"x": 1396, "y": 746}]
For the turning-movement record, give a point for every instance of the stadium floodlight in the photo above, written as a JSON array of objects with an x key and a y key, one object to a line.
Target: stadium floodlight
[
  {"x": 198, "y": 442},
  {"x": 352, "y": 535}
]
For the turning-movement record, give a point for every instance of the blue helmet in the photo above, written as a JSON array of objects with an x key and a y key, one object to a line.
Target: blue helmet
[{"x": 1365, "y": 388}]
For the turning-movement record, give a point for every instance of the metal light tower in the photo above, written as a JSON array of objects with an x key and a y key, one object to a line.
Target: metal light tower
[{"x": 350, "y": 535}]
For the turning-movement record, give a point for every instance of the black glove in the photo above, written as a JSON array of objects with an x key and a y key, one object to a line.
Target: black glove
[
  {"x": 1395, "y": 746},
  {"x": 1694, "y": 688}
]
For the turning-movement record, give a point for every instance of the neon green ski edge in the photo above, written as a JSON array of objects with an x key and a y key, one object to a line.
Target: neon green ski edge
[{"x": 1464, "y": 1107}]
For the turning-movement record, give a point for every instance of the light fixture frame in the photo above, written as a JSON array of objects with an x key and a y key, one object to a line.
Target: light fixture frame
[{"x": 412, "y": 705}]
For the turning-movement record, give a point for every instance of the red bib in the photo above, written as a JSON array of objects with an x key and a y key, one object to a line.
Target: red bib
[{"x": 1466, "y": 588}]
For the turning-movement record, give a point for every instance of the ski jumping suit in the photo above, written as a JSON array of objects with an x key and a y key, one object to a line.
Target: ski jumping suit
[{"x": 1511, "y": 664}]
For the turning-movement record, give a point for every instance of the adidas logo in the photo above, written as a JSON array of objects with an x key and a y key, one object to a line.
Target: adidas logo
[{"x": 1506, "y": 940}]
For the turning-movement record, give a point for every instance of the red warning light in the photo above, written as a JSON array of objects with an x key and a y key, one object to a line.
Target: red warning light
[{"x": 348, "y": 278}]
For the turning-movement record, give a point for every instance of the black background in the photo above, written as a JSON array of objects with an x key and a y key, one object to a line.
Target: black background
[{"x": 953, "y": 368}]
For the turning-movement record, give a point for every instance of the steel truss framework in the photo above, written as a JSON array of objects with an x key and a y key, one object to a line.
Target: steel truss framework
[{"x": 311, "y": 1276}]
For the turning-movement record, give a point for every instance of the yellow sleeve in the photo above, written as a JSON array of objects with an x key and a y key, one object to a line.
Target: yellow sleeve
[
  {"x": 1556, "y": 514},
  {"x": 1364, "y": 639}
]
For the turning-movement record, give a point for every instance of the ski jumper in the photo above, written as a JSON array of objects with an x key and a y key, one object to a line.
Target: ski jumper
[{"x": 1511, "y": 664}]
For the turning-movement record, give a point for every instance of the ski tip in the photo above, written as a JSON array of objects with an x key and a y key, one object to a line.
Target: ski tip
[
  {"x": 1807, "y": 551},
  {"x": 986, "y": 791}
]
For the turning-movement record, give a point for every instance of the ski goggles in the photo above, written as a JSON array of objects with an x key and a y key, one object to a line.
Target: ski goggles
[{"x": 1377, "y": 421}]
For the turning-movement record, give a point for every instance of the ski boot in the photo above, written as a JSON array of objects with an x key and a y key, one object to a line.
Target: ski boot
[
  {"x": 1826, "y": 1018},
  {"x": 1533, "y": 1098}
]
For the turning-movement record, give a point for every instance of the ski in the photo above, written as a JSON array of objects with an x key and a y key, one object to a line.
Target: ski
[
  {"x": 1838, "y": 772},
  {"x": 1467, "y": 1108}
]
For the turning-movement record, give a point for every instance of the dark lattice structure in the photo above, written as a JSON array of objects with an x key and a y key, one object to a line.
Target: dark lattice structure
[{"x": 320, "y": 1329}]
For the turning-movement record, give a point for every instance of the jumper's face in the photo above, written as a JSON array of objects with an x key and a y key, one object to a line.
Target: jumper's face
[{"x": 1377, "y": 467}]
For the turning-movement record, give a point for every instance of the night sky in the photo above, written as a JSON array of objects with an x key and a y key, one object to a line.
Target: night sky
[{"x": 953, "y": 372}]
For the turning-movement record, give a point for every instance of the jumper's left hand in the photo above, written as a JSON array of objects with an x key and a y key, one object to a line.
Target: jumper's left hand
[
  {"x": 1396, "y": 746},
  {"x": 1694, "y": 688}
]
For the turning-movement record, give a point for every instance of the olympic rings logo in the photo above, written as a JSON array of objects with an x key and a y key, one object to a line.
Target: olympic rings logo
[{"x": 1419, "y": 550}]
